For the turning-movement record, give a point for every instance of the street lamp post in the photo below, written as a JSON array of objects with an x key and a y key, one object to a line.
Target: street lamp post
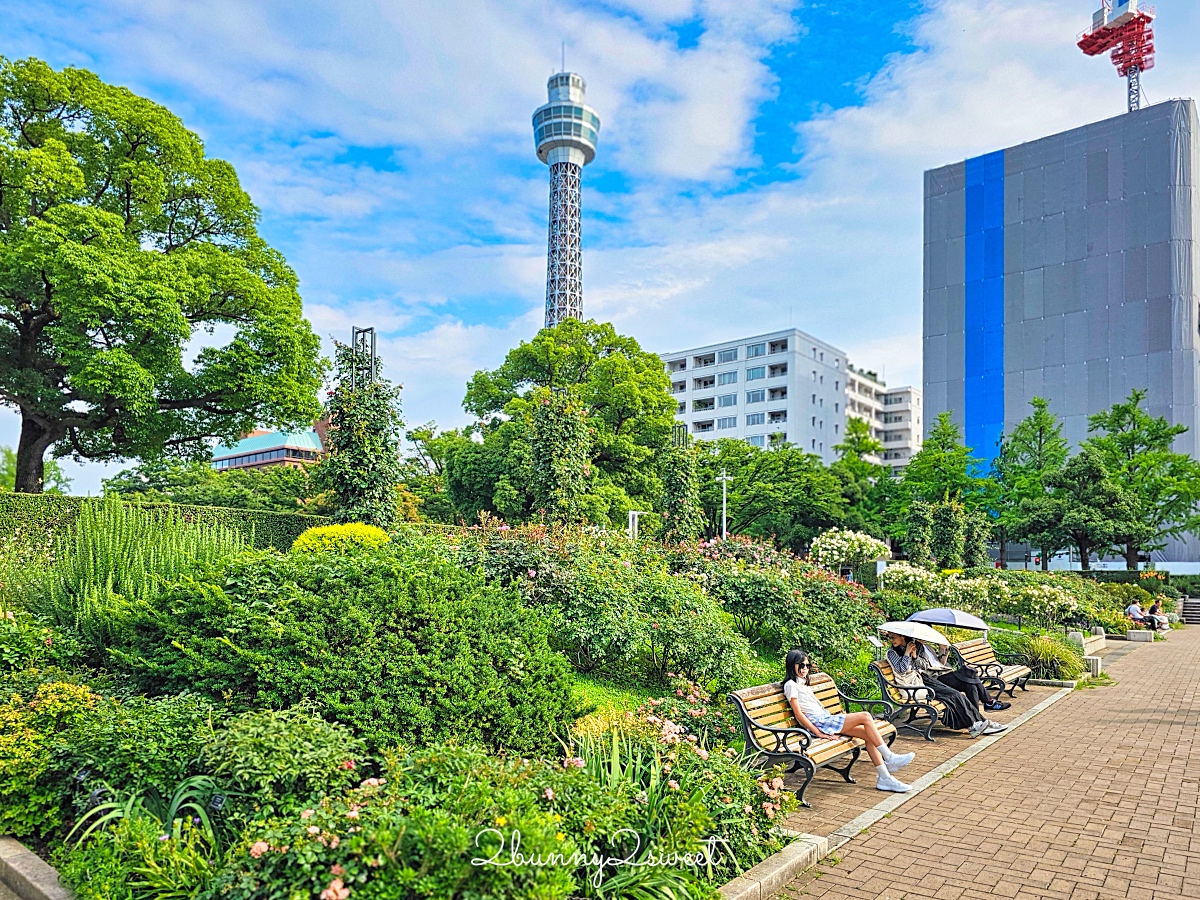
[
  {"x": 633, "y": 522},
  {"x": 724, "y": 479}
]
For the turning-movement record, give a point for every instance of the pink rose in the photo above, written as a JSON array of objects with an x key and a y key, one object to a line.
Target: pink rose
[{"x": 258, "y": 848}]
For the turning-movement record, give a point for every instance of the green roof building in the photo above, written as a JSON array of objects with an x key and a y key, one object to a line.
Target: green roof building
[{"x": 261, "y": 449}]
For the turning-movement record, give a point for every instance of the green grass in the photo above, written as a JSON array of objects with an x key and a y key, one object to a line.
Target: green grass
[{"x": 607, "y": 696}]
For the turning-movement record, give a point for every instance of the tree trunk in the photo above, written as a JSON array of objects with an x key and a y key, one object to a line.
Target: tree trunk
[
  {"x": 35, "y": 440},
  {"x": 1003, "y": 550},
  {"x": 1045, "y": 560},
  {"x": 1085, "y": 558},
  {"x": 1131, "y": 557}
]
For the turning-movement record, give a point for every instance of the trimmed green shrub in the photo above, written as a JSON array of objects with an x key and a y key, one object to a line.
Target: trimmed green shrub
[
  {"x": 946, "y": 535},
  {"x": 277, "y": 761},
  {"x": 918, "y": 536},
  {"x": 345, "y": 538},
  {"x": 30, "y": 517},
  {"x": 400, "y": 644}
]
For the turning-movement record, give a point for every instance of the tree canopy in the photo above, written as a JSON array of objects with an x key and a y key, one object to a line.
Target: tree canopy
[
  {"x": 123, "y": 251},
  {"x": 197, "y": 483}
]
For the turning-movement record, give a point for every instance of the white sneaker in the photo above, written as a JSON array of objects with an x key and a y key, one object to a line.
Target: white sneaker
[
  {"x": 977, "y": 729},
  {"x": 994, "y": 728},
  {"x": 889, "y": 783},
  {"x": 899, "y": 761}
]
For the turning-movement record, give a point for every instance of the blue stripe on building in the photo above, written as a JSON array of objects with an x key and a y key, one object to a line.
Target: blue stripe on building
[{"x": 983, "y": 345}]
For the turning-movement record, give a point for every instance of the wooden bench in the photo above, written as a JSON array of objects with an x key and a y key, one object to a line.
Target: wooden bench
[
  {"x": 773, "y": 734},
  {"x": 999, "y": 672},
  {"x": 905, "y": 703}
]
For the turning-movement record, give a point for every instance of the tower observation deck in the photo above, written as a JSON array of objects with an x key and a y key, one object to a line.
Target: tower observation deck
[{"x": 564, "y": 132}]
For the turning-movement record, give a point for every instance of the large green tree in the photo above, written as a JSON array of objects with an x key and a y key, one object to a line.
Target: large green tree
[
  {"x": 55, "y": 480},
  {"x": 1086, "y": 507},
  {"x": 1034, "y": 452},
  {"x": 782, "y": 493},
  {"x": 120, "y": 244},
  {"x": 943, "y": 469},
  {"x": 620, "y": 390},
  {"x": 1136, "y": 449},
  {"x": 867, "y": 487}
]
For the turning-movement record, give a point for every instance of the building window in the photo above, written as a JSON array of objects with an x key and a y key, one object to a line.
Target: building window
[
  {"x": 702, "y": 405},
  {"x": 814, "y": 443},
  {"x": 822, "y": 356},
  {"x": 778, "y": 438},
  {"x": 756, "y": 419},
  {"x": 702, "y": 384},
  {"x": 778, "y": 346},
  {"x": 835, "y": 428},
  {"x": 814, "y": 421},
  {"x": 756, "y": 373},
  {"x": 837, "y": 386},
  {"x": 727, "y": 400},
  {"x": 779, "y": 393},
  {"x": 835, "y": 407},
  {"x": 821, "y": 424},
  {"x": 726, "y": 423},
  {"x": 753, "y": 350},
  {"x": 727, "y": 378},
  {"x": 682, "y": 408},
  {"x": 724, "y": 356},
  {"x": 814, "y": 399},
  {"x": 677, "y": 365},
  {"x": 756, "y": 396},
  {"x": 757, "y": 441},
  {"x": 701, "y": 427},
  {"x": 678, "y": 387},
  {"x": 708, "y": 359},
  {"x": 814, "y": 374},
  {"x": 837, "y": 363}
]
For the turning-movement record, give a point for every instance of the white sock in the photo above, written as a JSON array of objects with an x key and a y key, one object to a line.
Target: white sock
[
  {"x": 885, "y": 751},
  {"x": 883, "y": 772}
]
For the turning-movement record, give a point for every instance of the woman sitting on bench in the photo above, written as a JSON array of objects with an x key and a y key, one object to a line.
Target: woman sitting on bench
[
  {"x": 814, "y": 718},
  {"x": 907, "y": 655}
]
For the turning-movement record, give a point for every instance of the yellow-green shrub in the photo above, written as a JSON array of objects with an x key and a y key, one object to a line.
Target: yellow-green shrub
[
  {"x": 341, "y": 538},
  {"x": 31, "y": 802}
]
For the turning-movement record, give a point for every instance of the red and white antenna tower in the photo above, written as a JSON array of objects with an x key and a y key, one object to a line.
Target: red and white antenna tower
[{"x": 1126, "y": 31}]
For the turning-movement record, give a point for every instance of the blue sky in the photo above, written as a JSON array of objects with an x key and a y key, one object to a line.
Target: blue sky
[{"x": 760, "y": 161}]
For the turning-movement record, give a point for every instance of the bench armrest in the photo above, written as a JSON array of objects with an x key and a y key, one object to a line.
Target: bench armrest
[
  {"x": 781, "y": 737},
  {"x": 888, "y": 705},
  {"x": 910, "y": 691},
  {"x": 1012, "y": 659}
]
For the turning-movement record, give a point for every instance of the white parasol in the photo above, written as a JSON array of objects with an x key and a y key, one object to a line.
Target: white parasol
[{"x": 915, "y": 630}]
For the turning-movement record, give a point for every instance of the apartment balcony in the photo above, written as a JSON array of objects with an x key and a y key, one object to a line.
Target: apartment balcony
[
  {"x": 678, "y": 387},
  {"x": 777, "y": 347},
  {"x": 777, "y": 371},
  {"x": 777, "y": 393},
  {"x": 703, "y": 384},
  {"x": 777, "y": 417},
  {"x": 703, "y": 362},
  {"x": 704, "y": 405},
  {"x": 677, "y": 365},
  {"x": 702, "y": 427}
]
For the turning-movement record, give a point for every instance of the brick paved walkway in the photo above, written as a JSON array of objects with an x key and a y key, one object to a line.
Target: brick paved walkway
[{"x": 1096, "y": 798}]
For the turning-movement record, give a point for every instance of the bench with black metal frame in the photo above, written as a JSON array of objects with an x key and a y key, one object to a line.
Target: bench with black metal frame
[
  {"x": 999, "y": 671},
  {"x": 905, "y": 702},
  {"x": 775, "y": 737}
]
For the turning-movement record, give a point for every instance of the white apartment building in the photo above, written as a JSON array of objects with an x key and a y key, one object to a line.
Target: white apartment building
[
  {"x": 894, "y": 415},
  {"x": 768, "y": 389},
  {"x": 788, "y": 386}
]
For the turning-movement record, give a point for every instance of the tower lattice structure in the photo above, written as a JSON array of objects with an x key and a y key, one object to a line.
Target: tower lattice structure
[
  {"x": 1124, "y": 30},
  {"x": 565, "y": 131}
]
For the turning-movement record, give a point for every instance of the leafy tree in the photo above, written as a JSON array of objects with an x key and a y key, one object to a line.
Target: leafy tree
[
  {"x": 54, "y": 481},
  {"x": 1087, "y": 507},
  {"x": 918, "y": 533},
  {"x": 622, "y": 388},
  {"x": 362, "y": 471},
  {"x": 977, "y": 528},
  {"x": 424, "y": 470},
  {"x": 1034, "y": 452},
  {"x": 197, "y": 483},
  {"x": 119, "y": 243},
  {"x": 1136, "y": 448},
  {"x": 943, "y": 469},
  {"x": 558, "y": 440},
  {"x": 683, "y": 517},
  {"x": 867, "y": 487},
  {"x": 946, "y": 535},
  {"x": 783, "y": 493}
]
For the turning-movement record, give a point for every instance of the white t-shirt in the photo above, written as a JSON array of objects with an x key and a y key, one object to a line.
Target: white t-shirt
[
  {"x": 803, "y": 694},
  {"x": 1134, "y": 611}
]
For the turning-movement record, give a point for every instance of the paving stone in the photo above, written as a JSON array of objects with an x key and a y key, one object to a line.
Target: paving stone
[{"x": 1094, "y": 799}]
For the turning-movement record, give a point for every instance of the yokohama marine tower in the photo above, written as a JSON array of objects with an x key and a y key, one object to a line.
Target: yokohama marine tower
[{"x": 565, "y": 135}]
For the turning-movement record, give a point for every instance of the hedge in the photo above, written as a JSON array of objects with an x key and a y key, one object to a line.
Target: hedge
[{"x": 39, "y": 513}]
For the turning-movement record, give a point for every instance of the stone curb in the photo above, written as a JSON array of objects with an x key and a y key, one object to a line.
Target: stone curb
[
  {"x": 1051, "y": 682},
  {"x": 27, "y": 875},
  {"x": 793, "y": 862}
]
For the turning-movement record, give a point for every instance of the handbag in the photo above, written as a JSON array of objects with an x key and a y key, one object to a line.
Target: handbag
[{"x": 912, "y": 680}]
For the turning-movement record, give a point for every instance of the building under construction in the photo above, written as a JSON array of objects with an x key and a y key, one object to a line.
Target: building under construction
[{"x": 1066, "y": 268}]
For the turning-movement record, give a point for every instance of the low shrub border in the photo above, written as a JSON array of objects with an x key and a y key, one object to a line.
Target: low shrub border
[{"x": 39, "y": 514}]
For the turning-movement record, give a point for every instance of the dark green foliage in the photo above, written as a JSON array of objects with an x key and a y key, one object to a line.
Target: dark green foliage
[
  {"x": 120, "y": 242},
  {"x": 977, "y": 527},
  {"x": 363, "y": 468},
  {"x": 783, "y": 494},
  {"x": 33, "y": 516},
  {"x": 54, "y": 480},
  {"x": 944, "y": 469},
  {"x": 683, "y": 517},
  {"x": 135, "y": 745},
  {"x": 897, "y": 606},
  {"x": 197, "y": 483},
  {"x": 1088, "y": 508},
  {"x": 1035, "y": 452},
  {"x": 946, "y": 535},
  {"x": 868, "y": 488},
  {"x": 918, "y": 536},
  {"x": 275, "y": 762},
  {"x": 559, "y": 454},
  {"x": 400, "y": 644}
]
